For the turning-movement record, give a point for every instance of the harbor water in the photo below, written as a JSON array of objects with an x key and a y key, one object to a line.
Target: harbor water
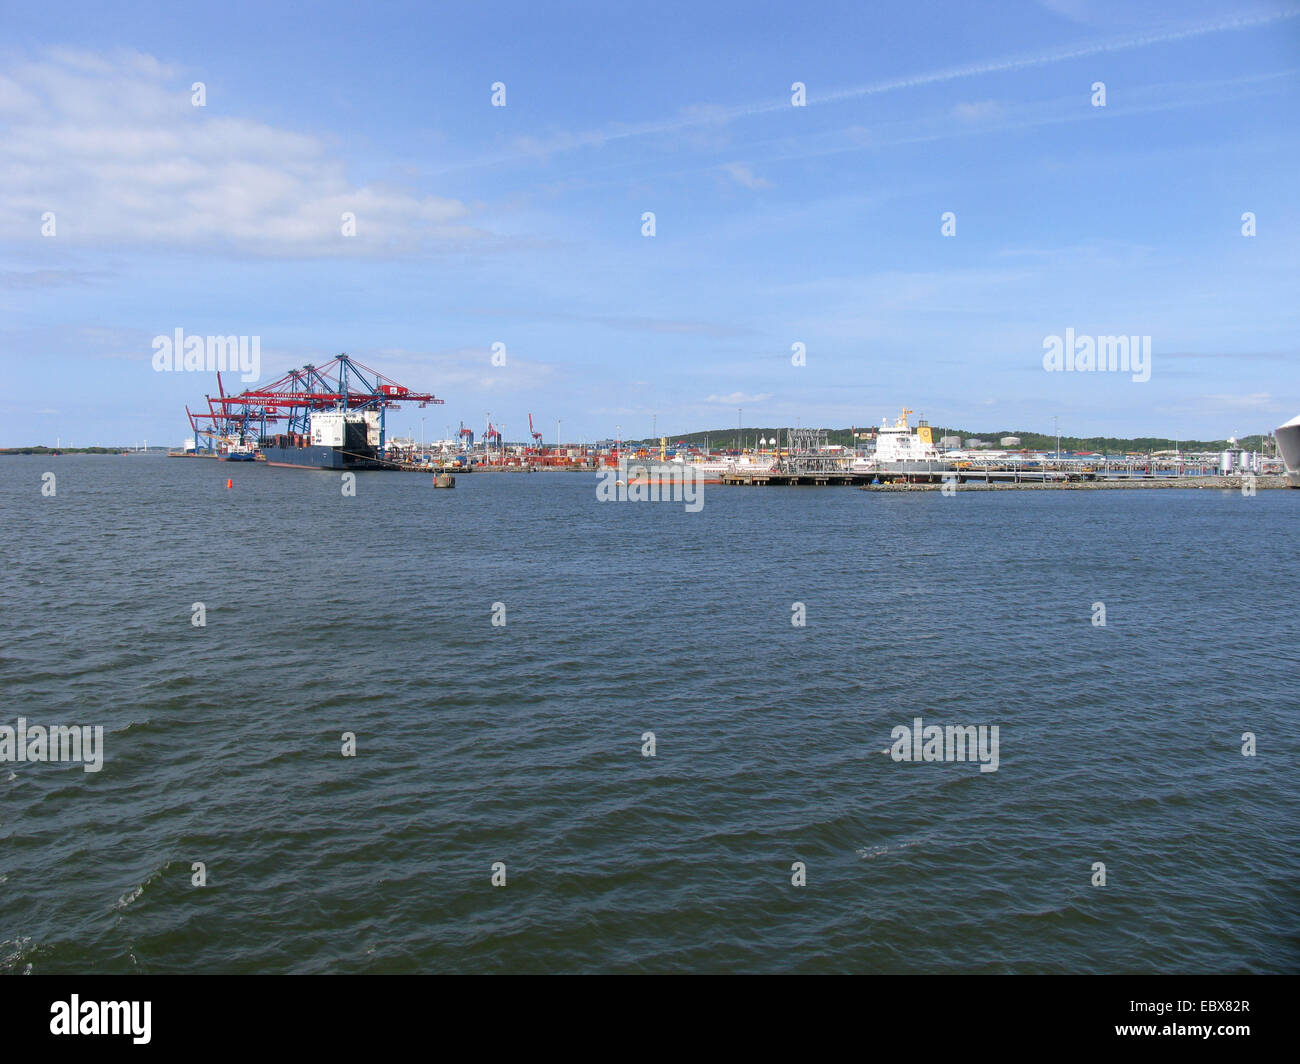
[{"x": 521, "y": 743}]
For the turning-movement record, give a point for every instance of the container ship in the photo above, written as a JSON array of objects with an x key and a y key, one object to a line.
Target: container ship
[
  {"x": 316, "y": 417},
  {"x": 336, "y": 439}
]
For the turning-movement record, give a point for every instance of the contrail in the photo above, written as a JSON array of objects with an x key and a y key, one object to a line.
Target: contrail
[
  {"x": 718, "y": 115},
  {"x": 1058, "y": 55}
]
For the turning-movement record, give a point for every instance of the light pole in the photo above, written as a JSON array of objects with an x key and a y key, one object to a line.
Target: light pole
[
  {"x": 740, "y": 413},
  {"x": 558, "y": 420}
]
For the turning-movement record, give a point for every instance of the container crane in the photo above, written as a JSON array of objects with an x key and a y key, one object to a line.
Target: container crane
[{"x": 340, "y": 384}]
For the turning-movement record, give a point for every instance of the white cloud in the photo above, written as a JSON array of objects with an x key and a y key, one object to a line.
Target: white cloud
[
  {"x": 464, "y": 370},
  {"x": 1262, "y": 401},
  {"x": 114, "y": 147},
  {"x": 978, "y": 111},
  {"x": 739, "y": 398},
  {"x": 743, "y": 175}
]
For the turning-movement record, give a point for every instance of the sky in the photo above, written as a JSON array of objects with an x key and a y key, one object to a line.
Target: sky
[{"x": 775, "y": 225}]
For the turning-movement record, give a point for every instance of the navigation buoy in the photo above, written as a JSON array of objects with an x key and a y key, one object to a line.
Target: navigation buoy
[{"x": 229, "y": 482}]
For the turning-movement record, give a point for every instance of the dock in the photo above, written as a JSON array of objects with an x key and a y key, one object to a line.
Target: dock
[
  {"x": 1006, "y": 474},
  {"x": 1263, "y": 482},
  {"x": 937, "y": 475}
]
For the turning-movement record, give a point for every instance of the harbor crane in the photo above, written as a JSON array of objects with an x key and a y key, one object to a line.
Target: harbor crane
[{"x": 340, "y": 384}]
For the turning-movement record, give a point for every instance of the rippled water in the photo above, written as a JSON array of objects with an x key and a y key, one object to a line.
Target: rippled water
[{"x": 522, "y": 743}]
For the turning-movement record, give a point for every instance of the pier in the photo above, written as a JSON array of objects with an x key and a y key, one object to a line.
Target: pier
[{"x": 1005, "y": 473}]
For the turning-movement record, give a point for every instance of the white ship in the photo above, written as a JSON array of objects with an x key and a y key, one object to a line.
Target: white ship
[
  {"x": 711, "y": 470},
  {"x": 1288, "y": 446},
  {"x": 899, "y": 445}
]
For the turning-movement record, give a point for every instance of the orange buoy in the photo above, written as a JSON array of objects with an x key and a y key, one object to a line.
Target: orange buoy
[{"x": 229, "y": 482}]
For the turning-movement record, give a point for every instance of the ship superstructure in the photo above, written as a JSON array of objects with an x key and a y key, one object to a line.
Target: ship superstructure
[{"x": 900, "y": 442}]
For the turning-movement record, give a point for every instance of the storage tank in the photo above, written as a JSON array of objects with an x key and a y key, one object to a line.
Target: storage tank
[{"x": 1009, "y": 442}]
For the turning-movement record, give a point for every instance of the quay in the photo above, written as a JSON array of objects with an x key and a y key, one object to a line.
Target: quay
[
  {"x": 1004, "y": 474},
  {"x": 1216, "y": 483},
  {"x": 912, "y": 478}
]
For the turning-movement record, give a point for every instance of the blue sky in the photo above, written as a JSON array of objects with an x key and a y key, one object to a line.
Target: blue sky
[{"x": 775, "y": 224}]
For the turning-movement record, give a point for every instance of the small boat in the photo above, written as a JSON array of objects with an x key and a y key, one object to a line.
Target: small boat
[{"x": 238, "y": 452}]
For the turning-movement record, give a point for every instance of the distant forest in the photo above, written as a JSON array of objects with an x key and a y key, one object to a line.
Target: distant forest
[{"x": 41, "y": 449}]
